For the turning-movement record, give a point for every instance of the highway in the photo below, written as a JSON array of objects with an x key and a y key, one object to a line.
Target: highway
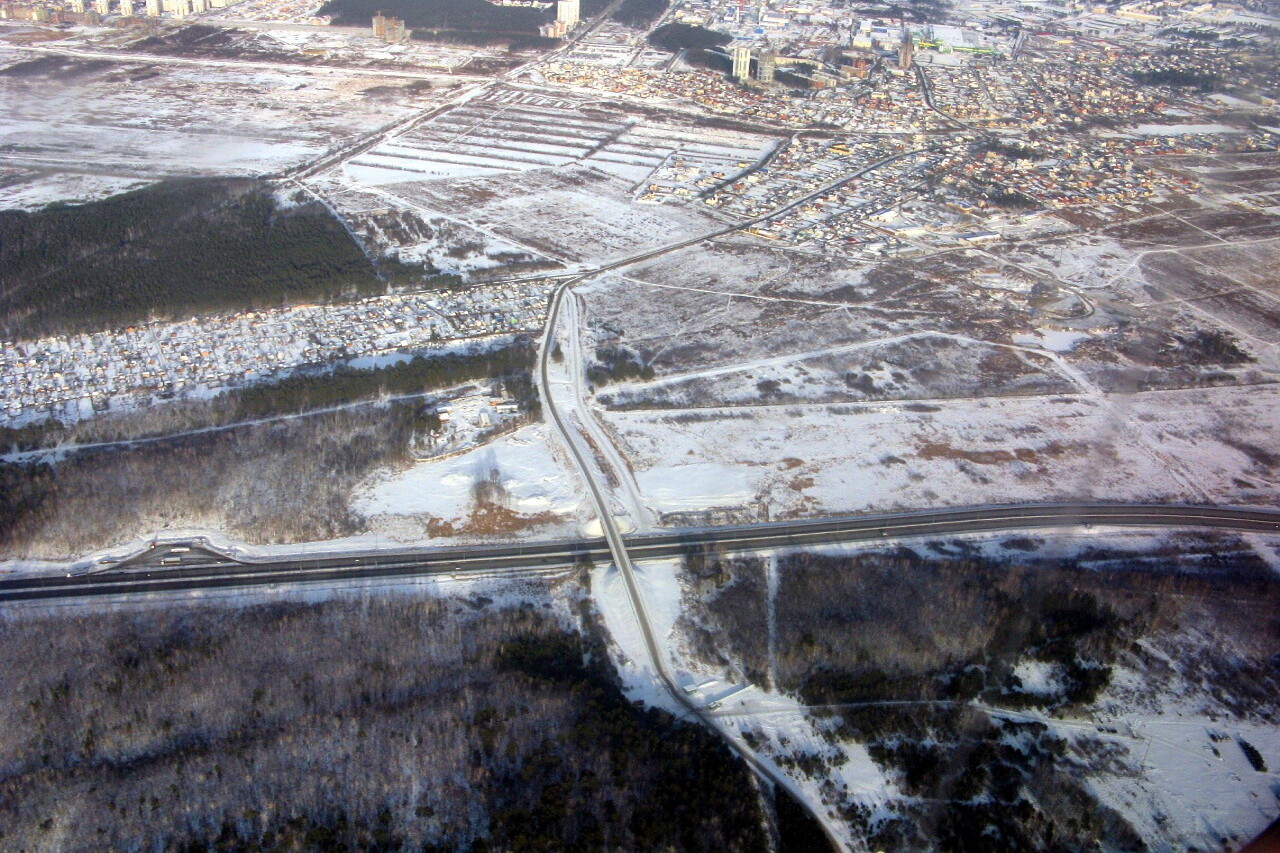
[{"x": 202, "y": 567}]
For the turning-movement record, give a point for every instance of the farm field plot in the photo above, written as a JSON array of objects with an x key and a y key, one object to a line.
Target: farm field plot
[
  {"x": 514, "y": 131},
  {"x": 486, "y": 137}
]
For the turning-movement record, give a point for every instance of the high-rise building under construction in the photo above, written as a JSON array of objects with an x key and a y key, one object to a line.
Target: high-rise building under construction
[
  {"x": 741, "y": 63},
  {"x": 567, "y": 13},
  {"x": 766, "y": 65}
]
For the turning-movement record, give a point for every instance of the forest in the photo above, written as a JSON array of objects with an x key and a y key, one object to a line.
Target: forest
[
  {"x": 473, "y": 16},
  {"x": 375, "y": 724},
  {"x": 902, "y": 649},
  {"x": 1179, "y": 78},
  {"x": 615, "y": 363},
  {"x": 176, "y": 248},
  {"x": 953, "y": 624},
  {"x": 677, "y": 37},
  {"x": 639, "y": 13},
  {"x": 510, "y": 365},
  {"x": 283, "y": 481}
]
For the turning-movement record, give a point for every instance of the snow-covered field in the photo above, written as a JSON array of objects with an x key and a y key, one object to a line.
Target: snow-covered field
[
  {"x": 535, "y": 482},
  {"x": 106, "y": 124},
  {"x": 509, "y": 132},
  {"x": 573, "y": 213},
  {"x": 1210, "y": 445},
  {"x": 391, "y": 225},
  {"x": 1190, "y": 779}
]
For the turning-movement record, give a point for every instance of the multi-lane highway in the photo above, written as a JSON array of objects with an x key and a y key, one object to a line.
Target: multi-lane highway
[{"x": 175, "y": 566}]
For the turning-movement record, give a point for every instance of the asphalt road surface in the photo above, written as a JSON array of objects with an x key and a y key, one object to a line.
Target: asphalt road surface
[{"x": 173, "y": 566}]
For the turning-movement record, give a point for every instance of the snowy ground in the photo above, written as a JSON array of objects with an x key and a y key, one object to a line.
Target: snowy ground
[
  {"x": 1191, "y": 782},
  {"x": 1211, "y": 445},
  {"x": 74, "y": 128},
  {"x": 535, "y": 481},
  {"x": 390, "y": 225},
  {"x": 572, "y": 213}
]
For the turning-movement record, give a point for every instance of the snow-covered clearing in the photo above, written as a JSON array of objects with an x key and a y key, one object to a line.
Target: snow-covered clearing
[
  {"x": 1194, "y": 445},
  {"x": 208, "y": 120},
  {"x": 1194, "y": 784},
  {"x": 658, "y": 582},
  {"x": 573, "y": 213},
  {"x": 695, "y": 486},
  {"x": 36, "y": 189},
  {"x": 534, "y": 480}
]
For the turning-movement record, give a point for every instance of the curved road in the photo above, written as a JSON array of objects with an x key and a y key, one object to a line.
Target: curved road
[{"x": 622, "y": 560}]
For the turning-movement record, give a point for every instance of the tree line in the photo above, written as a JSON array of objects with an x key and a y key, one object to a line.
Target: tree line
[
  {"x": 510, "y": 365},
  {"x": 302, "y": 391}
]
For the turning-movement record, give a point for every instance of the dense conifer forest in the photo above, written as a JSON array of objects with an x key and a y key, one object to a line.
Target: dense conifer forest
[
  {"x": 173, "y": 249},
  {"x": 476, "y": 16}
]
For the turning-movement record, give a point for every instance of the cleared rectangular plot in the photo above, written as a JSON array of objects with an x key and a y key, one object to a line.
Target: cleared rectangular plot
[
  {"x": 407, "y": 160},
  {"x": 1247, "y": 311},
  {"x": 1183, "y": 279},
  {"x": 552, "y": 146},
  {"x": 372, "y": 169},
  {"x": 1253, "y": 265},
  {"x": 536, "y": 127}
]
